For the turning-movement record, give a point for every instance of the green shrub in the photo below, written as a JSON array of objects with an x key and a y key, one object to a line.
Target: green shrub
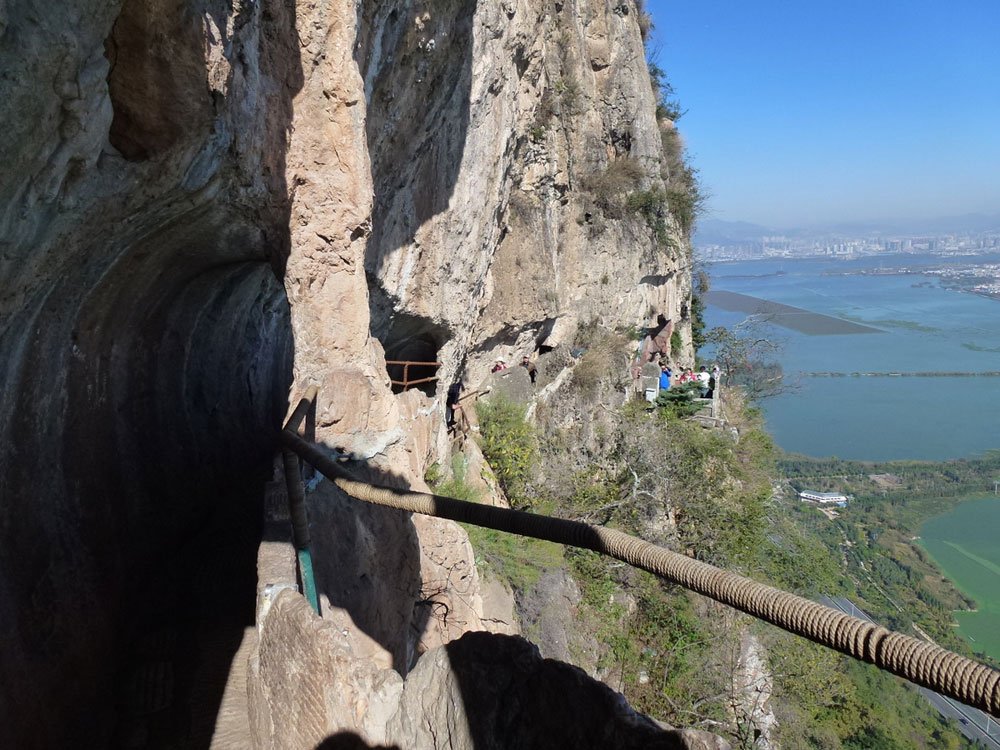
[
  {"x": 666, "y": 106},
  {"x": 518, "y": 560},
  {"x": 679, "y": 400},
  {"x": 651, "y": 205},
  {"x": 647, "y": 203},
  {"x": 590, "y": 369},
  {"x": 676, "y": 343},
  {"x": 569, "y": 95},
  {"x": 645, "y": 20},
  {"x": 610, "y": 187},
  {"x": 684, "y": 195},
  {"x": 714, "y": 489},
  {"x": 594, "y": 495},
  {"x": 662, "y": 638},
  {"x": 510, "y": 445},
  {"x": 433, "y": 474},
  {"x": 606, "y": 357},
  {"x": 685, "y": 203},
  {"x": 456, "y": 486},
  {"x": 634, "y": 333},
  {"x": 701, "y": 288},
  {"x": 673, "y": 164},
  {"x": 598, "y": 586}
]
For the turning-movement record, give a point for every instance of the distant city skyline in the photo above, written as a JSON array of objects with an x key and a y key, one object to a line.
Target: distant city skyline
[
  {"x": 806, "y": 113},
  {"x": 717, "y": 240}
]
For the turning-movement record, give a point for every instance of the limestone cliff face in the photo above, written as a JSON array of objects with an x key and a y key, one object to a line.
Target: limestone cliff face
[
  {"x": 505, "y": 140},
  {"x": 518, "y": 129},
  {"x": 207, "y": 205}
]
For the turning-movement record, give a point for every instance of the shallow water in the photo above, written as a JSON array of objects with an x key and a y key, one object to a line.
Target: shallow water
[
  {"x": 964, "y": 543},
  {"x": 927, "y": 329}
]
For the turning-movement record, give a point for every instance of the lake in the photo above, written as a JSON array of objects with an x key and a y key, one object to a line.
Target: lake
[
  {"x": 964, "y": 544},
  {"x": 923, "y": 328}
]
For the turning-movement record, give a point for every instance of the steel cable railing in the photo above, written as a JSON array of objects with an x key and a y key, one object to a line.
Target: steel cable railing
[{"x": 923, "y": 663}]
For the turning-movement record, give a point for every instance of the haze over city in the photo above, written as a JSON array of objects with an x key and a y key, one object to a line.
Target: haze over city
[{"x": 802, "y": 114}]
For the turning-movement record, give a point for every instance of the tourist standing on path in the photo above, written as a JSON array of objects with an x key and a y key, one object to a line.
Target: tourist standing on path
[
  {"x": 704, "y": 379},
  {"x": 451, "y": 403},
  {"x": 664, "y": 377},
  {"x": 528, "y": 365}
]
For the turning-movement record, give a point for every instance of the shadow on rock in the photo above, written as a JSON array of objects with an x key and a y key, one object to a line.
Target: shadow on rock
[
  {"x": 416, "y": 159},
  {"x": 350, "y": 741},
  {"x": 499, "y": 692},
  {"x": 367, "y": 561}
]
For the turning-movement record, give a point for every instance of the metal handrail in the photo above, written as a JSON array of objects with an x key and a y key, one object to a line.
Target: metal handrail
[{"x": 406, "y": 382}]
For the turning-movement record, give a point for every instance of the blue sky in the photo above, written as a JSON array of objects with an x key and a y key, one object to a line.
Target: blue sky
[{"x": 816, "y": 111}]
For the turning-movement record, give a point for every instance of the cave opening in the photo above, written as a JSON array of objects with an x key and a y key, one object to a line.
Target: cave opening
[
  {"x": 160, "y": 382},
  {"x": 210, "y": 369},
  {"x": 542, "y": 337},
  {"x": 412, "y": 345},
  {"x": 148, "y": 356}
]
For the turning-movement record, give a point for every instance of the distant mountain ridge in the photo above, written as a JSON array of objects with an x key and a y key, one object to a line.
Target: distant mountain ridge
[{"x": 719, "y": 232}]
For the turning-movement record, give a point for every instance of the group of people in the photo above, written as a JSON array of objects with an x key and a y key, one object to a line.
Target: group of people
[
  {"x": 453, "y": 405},
  {"x": 706, "y": 379},
  {"x": 526, "y": 363}
]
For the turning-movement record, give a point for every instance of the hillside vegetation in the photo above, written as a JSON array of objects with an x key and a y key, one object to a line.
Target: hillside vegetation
[
  {"x": 714, "y": 495},
  {"x": 885, "y": 567}
]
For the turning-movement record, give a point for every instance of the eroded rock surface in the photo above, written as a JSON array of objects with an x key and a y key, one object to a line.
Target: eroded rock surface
[
  {"x": 206, "y": 206},
  {"x": 491, "y": 691},
  {"x": 480, "y": 691},
  {"x": 514, "y": 114},
  {"x": 144, "y": 328}
]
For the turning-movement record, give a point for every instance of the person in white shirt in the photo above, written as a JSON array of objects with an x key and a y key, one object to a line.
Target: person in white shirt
[{"x": 703, "y": 379}]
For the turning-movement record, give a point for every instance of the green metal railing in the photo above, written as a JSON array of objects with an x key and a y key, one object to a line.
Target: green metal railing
[{"x": 297, "y": 501}]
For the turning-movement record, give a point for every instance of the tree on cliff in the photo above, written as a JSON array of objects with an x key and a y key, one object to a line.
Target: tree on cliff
[{"x": 748, "y": 359}]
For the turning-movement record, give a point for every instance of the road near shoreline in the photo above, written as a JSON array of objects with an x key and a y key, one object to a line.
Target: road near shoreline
[{"x": 973, "y": 723}]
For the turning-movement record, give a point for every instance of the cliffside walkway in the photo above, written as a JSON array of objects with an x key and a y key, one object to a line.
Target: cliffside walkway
[
  {"x": 982, "y": 374},
  {"x": 918, "y": 661}
]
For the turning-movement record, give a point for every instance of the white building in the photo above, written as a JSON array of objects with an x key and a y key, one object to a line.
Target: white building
[{"x": 823, "y": 498}]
